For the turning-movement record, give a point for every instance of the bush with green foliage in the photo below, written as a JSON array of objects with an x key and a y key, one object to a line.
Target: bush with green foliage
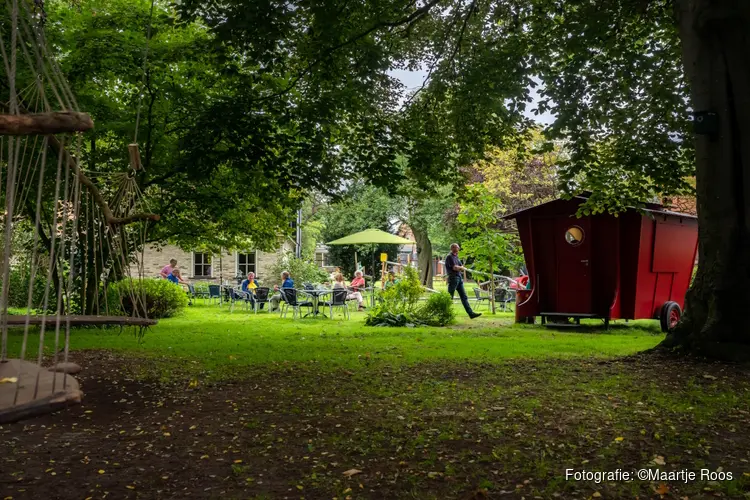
[
  {"x": 437, "y": 311},
  {"x": 152, "y": 298},
  {"x": 302, "y": 271},
  {"x": 18, "y": 292},
  {"x": 398, "y": 305}
]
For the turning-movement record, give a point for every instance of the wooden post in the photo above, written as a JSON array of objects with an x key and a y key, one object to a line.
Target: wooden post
[
  {"x": 492, "y": 287},
  {"x": 382, "y": 275},
  {"x": 135, "y": 157}
]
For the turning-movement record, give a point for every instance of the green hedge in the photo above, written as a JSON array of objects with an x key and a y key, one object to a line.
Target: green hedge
[{"x": 161, "y": 298}]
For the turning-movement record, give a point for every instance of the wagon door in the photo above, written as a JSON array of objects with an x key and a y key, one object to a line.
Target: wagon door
[{"x": 573, "y": 250}]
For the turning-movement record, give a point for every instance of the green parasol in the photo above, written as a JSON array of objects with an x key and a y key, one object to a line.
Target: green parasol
[{"x": 371, "y": 237}]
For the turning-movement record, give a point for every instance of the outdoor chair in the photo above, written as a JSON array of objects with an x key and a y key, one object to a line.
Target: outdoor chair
[
  {"x": 505, "y": 297},
  {"x": 261, "y": 297},
  {"x": 237, "y": 296},
  {"x": 481, "y": 298},
  {"x": 214, "y": 293},
  {"x": 289, "y": 299},
  {"x": 338, "y": 299},
  {"x": 197, "y": 294}
]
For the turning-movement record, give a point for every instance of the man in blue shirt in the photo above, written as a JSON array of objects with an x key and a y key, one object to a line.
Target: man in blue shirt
[
  {"x": 286, "y": 282},
  {"x": 175, "y": 277},
  {"x": 456, "y": 281}
]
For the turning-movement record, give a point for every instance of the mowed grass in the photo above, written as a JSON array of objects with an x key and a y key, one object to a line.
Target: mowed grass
[
  {"x": 233, "y": 405},
  {"x": 217, "y": 342}
]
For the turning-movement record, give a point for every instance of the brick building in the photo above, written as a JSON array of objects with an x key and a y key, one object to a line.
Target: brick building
[{"x": 202, "y": 266}]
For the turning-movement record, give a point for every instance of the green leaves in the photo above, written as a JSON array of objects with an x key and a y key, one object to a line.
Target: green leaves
[{"x": 490, "y": 249}]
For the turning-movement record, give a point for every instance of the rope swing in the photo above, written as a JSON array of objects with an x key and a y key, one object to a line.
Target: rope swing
[{"x": 83, "y": 237}]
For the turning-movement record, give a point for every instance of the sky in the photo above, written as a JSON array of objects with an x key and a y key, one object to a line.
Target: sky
[{"x": 414, "y": 79}]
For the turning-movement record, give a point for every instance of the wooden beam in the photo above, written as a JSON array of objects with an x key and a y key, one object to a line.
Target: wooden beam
[
  {"x": 135, "y": 157},
  {"x": 45, "y": 123},
  {"x": 20, "y": 320}
]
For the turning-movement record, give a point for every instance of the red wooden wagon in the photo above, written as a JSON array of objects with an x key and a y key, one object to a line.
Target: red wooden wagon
[{"x": 634, "y": 266}]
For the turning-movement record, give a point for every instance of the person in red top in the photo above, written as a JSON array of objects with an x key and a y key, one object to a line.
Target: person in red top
[{"x": 358, "y": 283}]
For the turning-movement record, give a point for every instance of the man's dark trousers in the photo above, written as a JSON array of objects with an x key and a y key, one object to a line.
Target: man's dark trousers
[{"x": 456, "y": 284}]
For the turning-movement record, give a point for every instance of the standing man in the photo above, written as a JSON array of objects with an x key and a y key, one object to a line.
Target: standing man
[
  {"x": 166, "y": 271},
  {"x": 456, "y": 281}
]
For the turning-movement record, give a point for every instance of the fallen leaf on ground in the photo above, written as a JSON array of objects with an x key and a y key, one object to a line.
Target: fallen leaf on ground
[
  {"x": 659, "y": 460},
  {"x": 663, "y": 489},
  {"x": 352, "y": 472}
]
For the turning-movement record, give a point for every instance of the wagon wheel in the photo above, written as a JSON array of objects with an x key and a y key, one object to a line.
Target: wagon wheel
[{"x": 670, "y": 316}]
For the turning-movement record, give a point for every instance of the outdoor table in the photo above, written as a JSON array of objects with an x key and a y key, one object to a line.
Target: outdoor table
[{"x": 315, "y": 295}]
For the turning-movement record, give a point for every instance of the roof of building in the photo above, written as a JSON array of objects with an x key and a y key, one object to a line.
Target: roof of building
[{"x": 654, "y": 208}]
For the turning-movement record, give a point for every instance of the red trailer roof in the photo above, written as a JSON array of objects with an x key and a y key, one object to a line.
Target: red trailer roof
[{"x": 654, "y": 208}]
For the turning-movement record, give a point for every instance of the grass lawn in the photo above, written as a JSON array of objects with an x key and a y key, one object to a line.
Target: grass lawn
[
  {"x": 213, "y": 404},
  {"x": 210, "y": 339}
]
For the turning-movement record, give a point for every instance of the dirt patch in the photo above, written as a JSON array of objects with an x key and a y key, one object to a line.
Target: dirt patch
[{"x": 429, "y": 431}]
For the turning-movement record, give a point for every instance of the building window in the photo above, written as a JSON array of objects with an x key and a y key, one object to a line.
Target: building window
[
  {"x": 201, "y": 265},
  {"x": 320, "y": 259},
  {"x": 574, "y": 236},
  {"x": 246, "y": 263}
]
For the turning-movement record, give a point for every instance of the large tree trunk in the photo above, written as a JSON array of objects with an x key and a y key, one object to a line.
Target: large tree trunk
[
  {"x": 715, "y": 37},
  {"x": 424, "y": 255}
]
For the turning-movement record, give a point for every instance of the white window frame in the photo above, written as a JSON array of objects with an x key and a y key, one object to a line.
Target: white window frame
[
  {"x": 237, "y": 262},
  {"x": 210, "y": 266},
  {"x": 321, "y": 263}
]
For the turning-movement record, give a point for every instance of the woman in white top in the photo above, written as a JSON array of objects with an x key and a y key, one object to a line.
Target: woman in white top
[{"x": 340, "y": 284}]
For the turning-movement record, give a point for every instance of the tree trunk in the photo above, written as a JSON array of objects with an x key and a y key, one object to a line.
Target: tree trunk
[
  {"x": 424, "y": 255},
  {"x": 716, "y": 55}
]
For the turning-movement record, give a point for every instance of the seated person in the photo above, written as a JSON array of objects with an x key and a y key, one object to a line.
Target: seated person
[
  {"x": 176, "y": 278},
  {"x": 286, "y": 282},
  {"x": 332, "y": 276},
  {"x": 340, "y": 284},
  {"x": 390, "y": 280},
  {"x": 248, "y": 286},
  {"x": 358, "y": 283}
]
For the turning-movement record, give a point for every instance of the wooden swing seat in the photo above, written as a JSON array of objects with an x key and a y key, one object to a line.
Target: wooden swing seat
[
  {"x": 82, "y": 320},
  {"x": 36, "y": 391}
]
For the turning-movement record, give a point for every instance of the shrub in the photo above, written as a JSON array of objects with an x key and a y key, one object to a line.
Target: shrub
[
  {"x": 409, "y": 288},
  {"x": 161, "y": 298},
  {"x": 302, "y": 271},
  {"x": 437, "y": 311},
  {"x": 18, "y": 292},
  {"x": 399, "y": 305}
]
